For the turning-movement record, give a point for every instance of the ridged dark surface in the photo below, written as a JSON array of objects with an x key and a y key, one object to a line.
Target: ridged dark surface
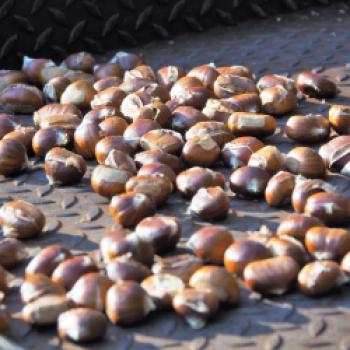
[{"x": 77, "y": 218}]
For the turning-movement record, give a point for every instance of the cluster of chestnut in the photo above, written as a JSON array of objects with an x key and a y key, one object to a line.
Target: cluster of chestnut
[{"x": 154, "y": 132}]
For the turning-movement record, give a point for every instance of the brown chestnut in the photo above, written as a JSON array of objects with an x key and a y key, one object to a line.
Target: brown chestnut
[
  {"x": 110, "y": 143},
  {"x": 112, "y": 97},
  {"x": 106, "y": 70},
  {"x": 141, "y": 71},
  {"x": 205, "y": 74},
  {"x": 168, "y": 75},
  {"x": 24, "y": 135},
  {"x": 227, "y": 85},
  {"x": 184, "y": 117},
  {"x": 339, "y": 117},
  {"x": 8, "y": 123},
  {"x": 157, "y": 169},
  {"x": 121, "y": 161},
  {"x": 86, "y": 136},
  {"x": 220, "y": 109},
  {"x": 279, "y": 189},
  {"x": 79, "y": 93},
  {"x": 210, "y": 243},
  {"x": 241, "y": 71},
  {"x": 10, "y": 77},
  {"x": 13, "y": 157},
  {"x": 99, "y": 114},
  {"x": 336, "y": 153},
  {"x": 54, "y": 88},
  {"x": 107, "y": 82},
  {"x": 80, "y": 61},
  {"x": 126, "y": 60},
  {"x": 268, "y": 81},
  {"x": 277, "y": 100},
  {"x": 20, "y": 219},
  {"x": 268, "y": 158},
  {"x": 113, "y": 126},
  {"x": 12, "y": 252},
  {"x": 315, "y": 85},
  {"x": 157, "y": 111}
]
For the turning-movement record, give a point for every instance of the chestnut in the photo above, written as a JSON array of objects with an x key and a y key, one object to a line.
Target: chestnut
[
  {"x": 107, "y": 82},
  {"x": 268, "y": 158},
  {"x": 108, "y": 181},
  {"x": 162, "y": 288},
  {"x": 127, "y": 303},
  {"x": 210, "y": 243},
  {"x": 134, "y": 132},
  {"x": 168, "y": 75},
  {"x": 128, "y": 209},
  {"x": 182, "y": 266},
  {"x": 20, "y": 219},
  {"x": 45, "y": 310},
  {"x": 311, "y": 128},
  {"x": 78, "y": 75},
  {"x": 126, "y": 268},
  {"x": 252, "y": 124},
  {"x": 113, "y": 126},
  {"x": 218, "y": 281},
  {"x": 249, "y": 181},
  {"x": 210, "y": 203},
  {"x": 99, "y": 114},
  {"x": 32, "y": 68},
  {"x": 8, "y": 123},
  {"x": 157, "y": 111},
  {"x": 82, "y": 325},
  {"x": 216, "y": 130},
  {"x": 201, "y": 151},
  {"x": 319, "y": 278},
  {"x": 12, "y": 252},
  {"x": 315, "y": 85},
  {"x": 135, "y": 85},
  {"x": 110, "y": 143},
  {"x": 305, "y": 188},
  {"x": 70, "y": 270},
  {"x": 296, "y": 226},
  {"x": 126, "y": 60},
  {"x": 158, "y": 188},
  {"x": 38, "y": 285},
  {"x": 196, "y": 306},
  {"x": 339, "y": 118},
  {"x": 153, "y": 91},
  {"x": 79, "y": 93},
  {"x": 90, "y": 290},
  {"x": 288, "y": 246},
  {"x": 13, "y": 157},
  {"x": 121, "y": 161},
  {"x": 86, "y": 136},
  {"x": 4, "y": 280},
  {"x": 305, "y": 161},
  {"x": 106, "y": 70},
  {"x": 46, "y": 261},
  {"x": 345, "y": 263},
  {"x": 157, "y": 169},
  {"x": 158, "y": 156},
  {"x": 132, "y": 104},
  {"x": 24, "y": 135},
  {"x": 331, "y": 208},
  {"x": 64, "y": 167},
  {"x": 241, "y": 71},
  {"x": 327, "y": 243},
  {"x": 205, "y": 74},
  {"x": 46, "y": 139},
  {"x": 166, "y": 140},
  {"x": 219, "y": 110},
  {"x": 240, "y": 253},
  {"x": 237, "y": 152},
  {"x": 54, "y": 88},
  {"x": 10, "y": 77},
  {"x": 184, "y": 117},
  {"x": 83, "y": 61},
  {"x": 272, "y": 80},
  {"x": 141, "y": 71},
  {"x": 271, "y": 276},
  {"x": 277, "y": 100},
  {"x": 279, "y": 189},
  {"x": 163, "y": 232},
  {"x": 227, "y": 85},
  {"x": 111, "y": 97}
]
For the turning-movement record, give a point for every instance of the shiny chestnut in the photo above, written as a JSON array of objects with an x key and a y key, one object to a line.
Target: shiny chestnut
[
  {"x": 315, "y": 85},
  {"x": 279, "y": 189}
]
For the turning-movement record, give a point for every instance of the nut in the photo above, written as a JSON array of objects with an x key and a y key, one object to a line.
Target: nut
[
  {"x": 4, "y": 280},
  {"x": 205, "y": 74},
  {"x": 315, "y": 85},
  {"x": 277, "y": 100},
  {"x": 121, "y": 161},
  {"x": 64, "y": 167},
  {"x": 99, "y": 114},
  {"x": 152, "y": 92},
  {"x": 38, "y": 285},
  {"x": 227, "y": 85},
  {"x": 70, "y": 270},
  {"x": 45, "y": 310},
  {"x": 21, "y": 98},
  {"x": 142, "y": 71},
  {"x": 86, "y": 136},
  {"x": 13, "y": 157},
  {"x": 210, "y": 203},
  {"x": 128, "y": 209},
  {"x": 112, "y": 97},
  {"x": 305, "y": 188},
  {"x": 220, "y": 109},
  {"x": 184, "y": 117},
  {"x": 54, "y": 88},
  {"x": 50, "y": 72},
  {"x": 20, "y": 219},
  {"x": 24, "y": 135},
  {"x": 271, "y": 276},
  {"x": 237, "y": 152},
  {"x": 90, "y": 290},
  {"x": 241, "y": 71},
  {"x": 182, "y": 266},
  {"x": 210, "y": 243},
  {"x": 8, "y": 123},
  {"x": 78, "y": 75},
  {"x": 167, "y": 76},
  {"x": 132, "y": 104},
  {"x": 33, "y": 67},
  {"x": 268, "y": 81},
  {"x": 10, "y": 77},
  {"x": 268, "y": 158},
  {"x": 163, "y": 232},
  {"x": 327, "y": 243},
  {"x": 216, "y": 130},
  {"x": 107, "y": 82},
  {"x": 311, "y": 128},
  {"x": 157, "y": 169},
  {"x": 82, "y": 325},
  {"x": 156, "y": 111},
  {"x": 80, "y": 61},
  {"x": 46, "y": 139},
  {"x": 219, "y": 281},
  {"x": 339, "y": 117},
  {"x": 165, "y": 140},
  {"x": 249, "y": 102},
  {"x": 79, "y": 93},
  {"x": 196, "y": 306},
  {"x": 106, "y": 70},
  {"x": 108, "y": 181},
  {"x": 296, "y": 226},
  {"x": 46, "y": 261},
  {"x": 239, "y": 254},
  {"x": 126, "y": 60},
  {"x": 127, "y": 303},
  {"x": 331, "y": 208},
  {"x": 249, "y": 181},
  {"x": 113, "y": 126},
  {"x": 126, "y": 268},
  {"x": 279, "y": 189},
  {"x": 109, "y": 239},
  {"x": 12, "y": 252},
  {"x": 251, "y": 124},
  {"x": 162, "y": 288},
  {"x": 319, "y": 277},
  {"x": 158, "y": 188},
  {"x": 135, "y": 85},
  {"x": 305, "y": 161},
  {"x": 345, "y": 263}
]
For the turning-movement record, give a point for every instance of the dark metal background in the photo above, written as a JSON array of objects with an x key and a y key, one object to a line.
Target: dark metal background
[{"x": 77, "y": 217}]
